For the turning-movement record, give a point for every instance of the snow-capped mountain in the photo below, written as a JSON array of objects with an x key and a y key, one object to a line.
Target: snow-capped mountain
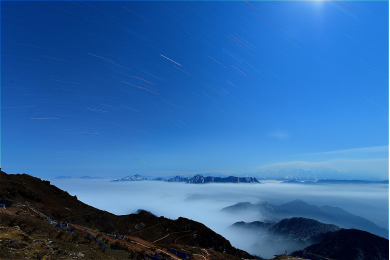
[
  {"x": 203, "y": 179},
  {"x": 178, "y": 179},
  {"x": 136, "y": 177}
]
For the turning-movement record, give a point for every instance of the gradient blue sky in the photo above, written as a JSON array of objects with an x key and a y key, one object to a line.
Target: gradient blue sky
[{"x": 194, "y": 87}]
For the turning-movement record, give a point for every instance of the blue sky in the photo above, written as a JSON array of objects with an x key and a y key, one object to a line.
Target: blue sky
[{"x": 194, "y": 87}]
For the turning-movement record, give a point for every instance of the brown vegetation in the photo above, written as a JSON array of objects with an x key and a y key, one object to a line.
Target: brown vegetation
[{"x": 26, "y": 233}]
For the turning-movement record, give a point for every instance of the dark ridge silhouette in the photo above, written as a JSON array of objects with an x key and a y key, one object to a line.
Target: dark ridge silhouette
[
  {"x": 200, "y": 179},
  {"x": 348, "y": 244},
  {"x": 299, "y": 208}
]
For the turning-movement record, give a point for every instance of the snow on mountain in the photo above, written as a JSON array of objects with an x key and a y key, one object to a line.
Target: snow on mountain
[{"x": 136, "y": 177}]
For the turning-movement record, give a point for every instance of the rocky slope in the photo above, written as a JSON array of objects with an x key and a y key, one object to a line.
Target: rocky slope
[{"x": 36, "y": 200}]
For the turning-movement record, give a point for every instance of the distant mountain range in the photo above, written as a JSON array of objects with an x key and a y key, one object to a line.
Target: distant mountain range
[
  {"x": 299, "y": 208},
  {"x": 299, "y": 176},
  {"x": 199, "y": 179},
  {"x": 310, "y": 176},
  {"x": 231, "y": 179},
  {"x": 136, "y": 177},
  {"x": 159, "y": 179},
  {"x": 178, "y": 179}
]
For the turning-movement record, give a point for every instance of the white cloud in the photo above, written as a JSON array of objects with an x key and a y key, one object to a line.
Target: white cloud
[{"x": 169, "y": 200}]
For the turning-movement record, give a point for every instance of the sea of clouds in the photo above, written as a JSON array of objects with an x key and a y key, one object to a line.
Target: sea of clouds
[{"x": 203, "y": 202}]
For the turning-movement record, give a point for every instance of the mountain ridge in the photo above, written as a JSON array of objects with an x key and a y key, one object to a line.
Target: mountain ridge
[
  {"x": 135, "y": 177},
  {"x": 348, "y": 244},
  {"x": 299, "y": 208},
  {"x": 200, "y": 179},
  {"x": 37, "y": 200}
]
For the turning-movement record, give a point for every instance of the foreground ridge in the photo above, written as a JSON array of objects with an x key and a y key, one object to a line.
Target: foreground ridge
[{"x": 82, "y": 231}]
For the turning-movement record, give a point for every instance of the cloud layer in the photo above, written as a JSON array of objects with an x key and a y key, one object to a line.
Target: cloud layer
[{"x": 203, "y": 203}]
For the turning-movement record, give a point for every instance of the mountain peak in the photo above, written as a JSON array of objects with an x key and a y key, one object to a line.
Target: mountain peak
[
  {"x": 135, "y": 177},
  {"x": 297, "y": 202}
]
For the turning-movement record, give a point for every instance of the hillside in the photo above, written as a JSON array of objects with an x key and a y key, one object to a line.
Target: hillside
[
  {"x": 299, "y": 208},
  {"x": 300, "y": 229},
  {"x": 314, "y": 240},
  {"x": 34, "y": 201},
  {"x": 348, "y": 244},
  {"x": 288, "y": 234},
  {"x": 265, "y": 210}
]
